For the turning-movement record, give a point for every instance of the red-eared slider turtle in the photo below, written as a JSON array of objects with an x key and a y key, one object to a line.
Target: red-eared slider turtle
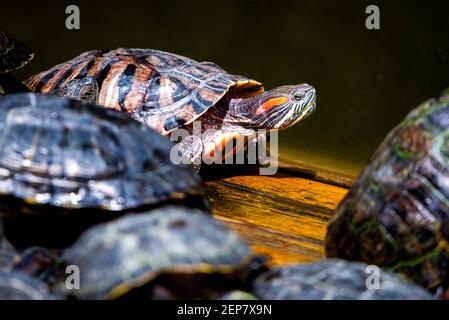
[
  {"x": 396, "y": 214},
  {"x": 13, "y": 55},
  {"x": 57, "y": 153},
  {"x": 180, "y": 249},
  {"x": 334, "y": 279},
  {"x": 19, "y": 286},
  {"x": 168, "y": 91}
]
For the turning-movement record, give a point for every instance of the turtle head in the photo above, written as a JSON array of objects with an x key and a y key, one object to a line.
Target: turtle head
[
  {"x": 85, "y": 89},
  {"x": 282, "y": 107}
]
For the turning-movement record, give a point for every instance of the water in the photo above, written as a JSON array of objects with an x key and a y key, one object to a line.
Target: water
[{"x": 366, "y": 81}]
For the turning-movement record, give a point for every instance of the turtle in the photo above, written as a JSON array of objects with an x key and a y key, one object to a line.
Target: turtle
[
  {"x": 13, "y": 56},
  {"x": 65, "y": 165},
  {"x": 396, "y": 213},
  {"x": 19, "y": 286},
  {"x": 168, "y": 92},
  {"x": 335, "y": 279},
  {"x": 183, "y": 250}
]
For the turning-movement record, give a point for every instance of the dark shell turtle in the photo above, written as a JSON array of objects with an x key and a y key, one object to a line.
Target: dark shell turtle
[
  {"x": 181, "y": 249},
  {"x": 13, "y": 56},
  {"x": 168, "y": 91},
  {"x": 396, "y": 214},
  {"x": 19, "y": 286},
  {"x": 57, "y": 153},
  {"x": 333, "y": 279}
]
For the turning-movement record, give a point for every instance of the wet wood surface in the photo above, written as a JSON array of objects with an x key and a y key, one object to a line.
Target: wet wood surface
[{"x": 283, "y": 216}]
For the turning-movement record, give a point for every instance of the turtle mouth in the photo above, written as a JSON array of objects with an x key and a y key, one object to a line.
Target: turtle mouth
[
  {"x": 306, "y": 111},
  {"x": 310, "y": 109}
]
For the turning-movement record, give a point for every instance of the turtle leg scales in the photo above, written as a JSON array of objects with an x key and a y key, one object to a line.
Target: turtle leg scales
[{"x": 191, "y": 149}]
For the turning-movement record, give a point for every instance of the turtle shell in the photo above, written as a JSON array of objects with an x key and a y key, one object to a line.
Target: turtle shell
[
  {"x": 13, "y": 54},
  {"x": 69, "y": 154},
  {"x": 19, "y": 286},
  {"x": 160, "y": 89},
  {"x": 396, "y": 214},
  {"x": 170, "y": 242},
  {"x": 333, "y": 279},
  {"x": 66, "y": 165}
]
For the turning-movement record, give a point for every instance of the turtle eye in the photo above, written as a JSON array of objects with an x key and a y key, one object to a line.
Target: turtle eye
[{"x": 297, "y": 97}]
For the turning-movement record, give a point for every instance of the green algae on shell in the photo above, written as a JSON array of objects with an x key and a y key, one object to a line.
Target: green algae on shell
[{"x": 396, "y": 214}]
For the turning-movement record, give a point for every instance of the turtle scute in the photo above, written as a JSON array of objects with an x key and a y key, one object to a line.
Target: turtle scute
[
  {"x": 333, "y": 279},
  {"x": 396, "y": 214},
  {"x": 182, "y": 250}
]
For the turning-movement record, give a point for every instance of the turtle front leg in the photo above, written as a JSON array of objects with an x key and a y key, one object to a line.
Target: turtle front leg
[
  {"x": 190, "y": 149},
  {"x": 84, "y": 89}
]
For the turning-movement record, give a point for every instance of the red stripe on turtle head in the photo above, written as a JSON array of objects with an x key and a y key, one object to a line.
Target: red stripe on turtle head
[{"x": 271, "y": 103}]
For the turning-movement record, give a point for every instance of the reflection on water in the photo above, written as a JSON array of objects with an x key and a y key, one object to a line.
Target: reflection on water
[{"x": 366, "y": 81}]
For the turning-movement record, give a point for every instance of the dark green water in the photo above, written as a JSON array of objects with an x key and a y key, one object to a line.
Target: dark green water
[{"x": 367, "y": 81}]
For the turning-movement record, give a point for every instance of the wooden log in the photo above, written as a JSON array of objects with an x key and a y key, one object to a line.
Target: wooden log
[{"x": 283, "y": 216}]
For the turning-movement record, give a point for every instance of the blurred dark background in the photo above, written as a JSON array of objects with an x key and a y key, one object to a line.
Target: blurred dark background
[{"x": 367, "y": 80}]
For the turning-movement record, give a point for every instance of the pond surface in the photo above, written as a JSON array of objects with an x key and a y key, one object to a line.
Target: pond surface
[{"x": 366, "y": 80}]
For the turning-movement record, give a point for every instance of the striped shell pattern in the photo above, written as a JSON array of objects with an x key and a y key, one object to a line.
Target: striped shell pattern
[{"x": 162, "y": 89}]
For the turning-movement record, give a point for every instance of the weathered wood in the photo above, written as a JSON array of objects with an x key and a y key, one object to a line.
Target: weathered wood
[
  {"x": 298, "y": 168},
  {"x": 281, "y": 216}
]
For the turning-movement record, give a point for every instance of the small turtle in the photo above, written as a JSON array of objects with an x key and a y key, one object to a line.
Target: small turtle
[
  {"x": 13, "y": 56},
  {"x": 180, "y": 249},
  {"x": 334, "y": 279},
  {"x": 168, "y": 91},
  {"x": 94, "y": 163},
  {"x": 396, "y": 214}
]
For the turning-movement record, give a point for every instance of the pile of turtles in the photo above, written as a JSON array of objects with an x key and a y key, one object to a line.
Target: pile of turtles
[{"x": 92, "y": 205}]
